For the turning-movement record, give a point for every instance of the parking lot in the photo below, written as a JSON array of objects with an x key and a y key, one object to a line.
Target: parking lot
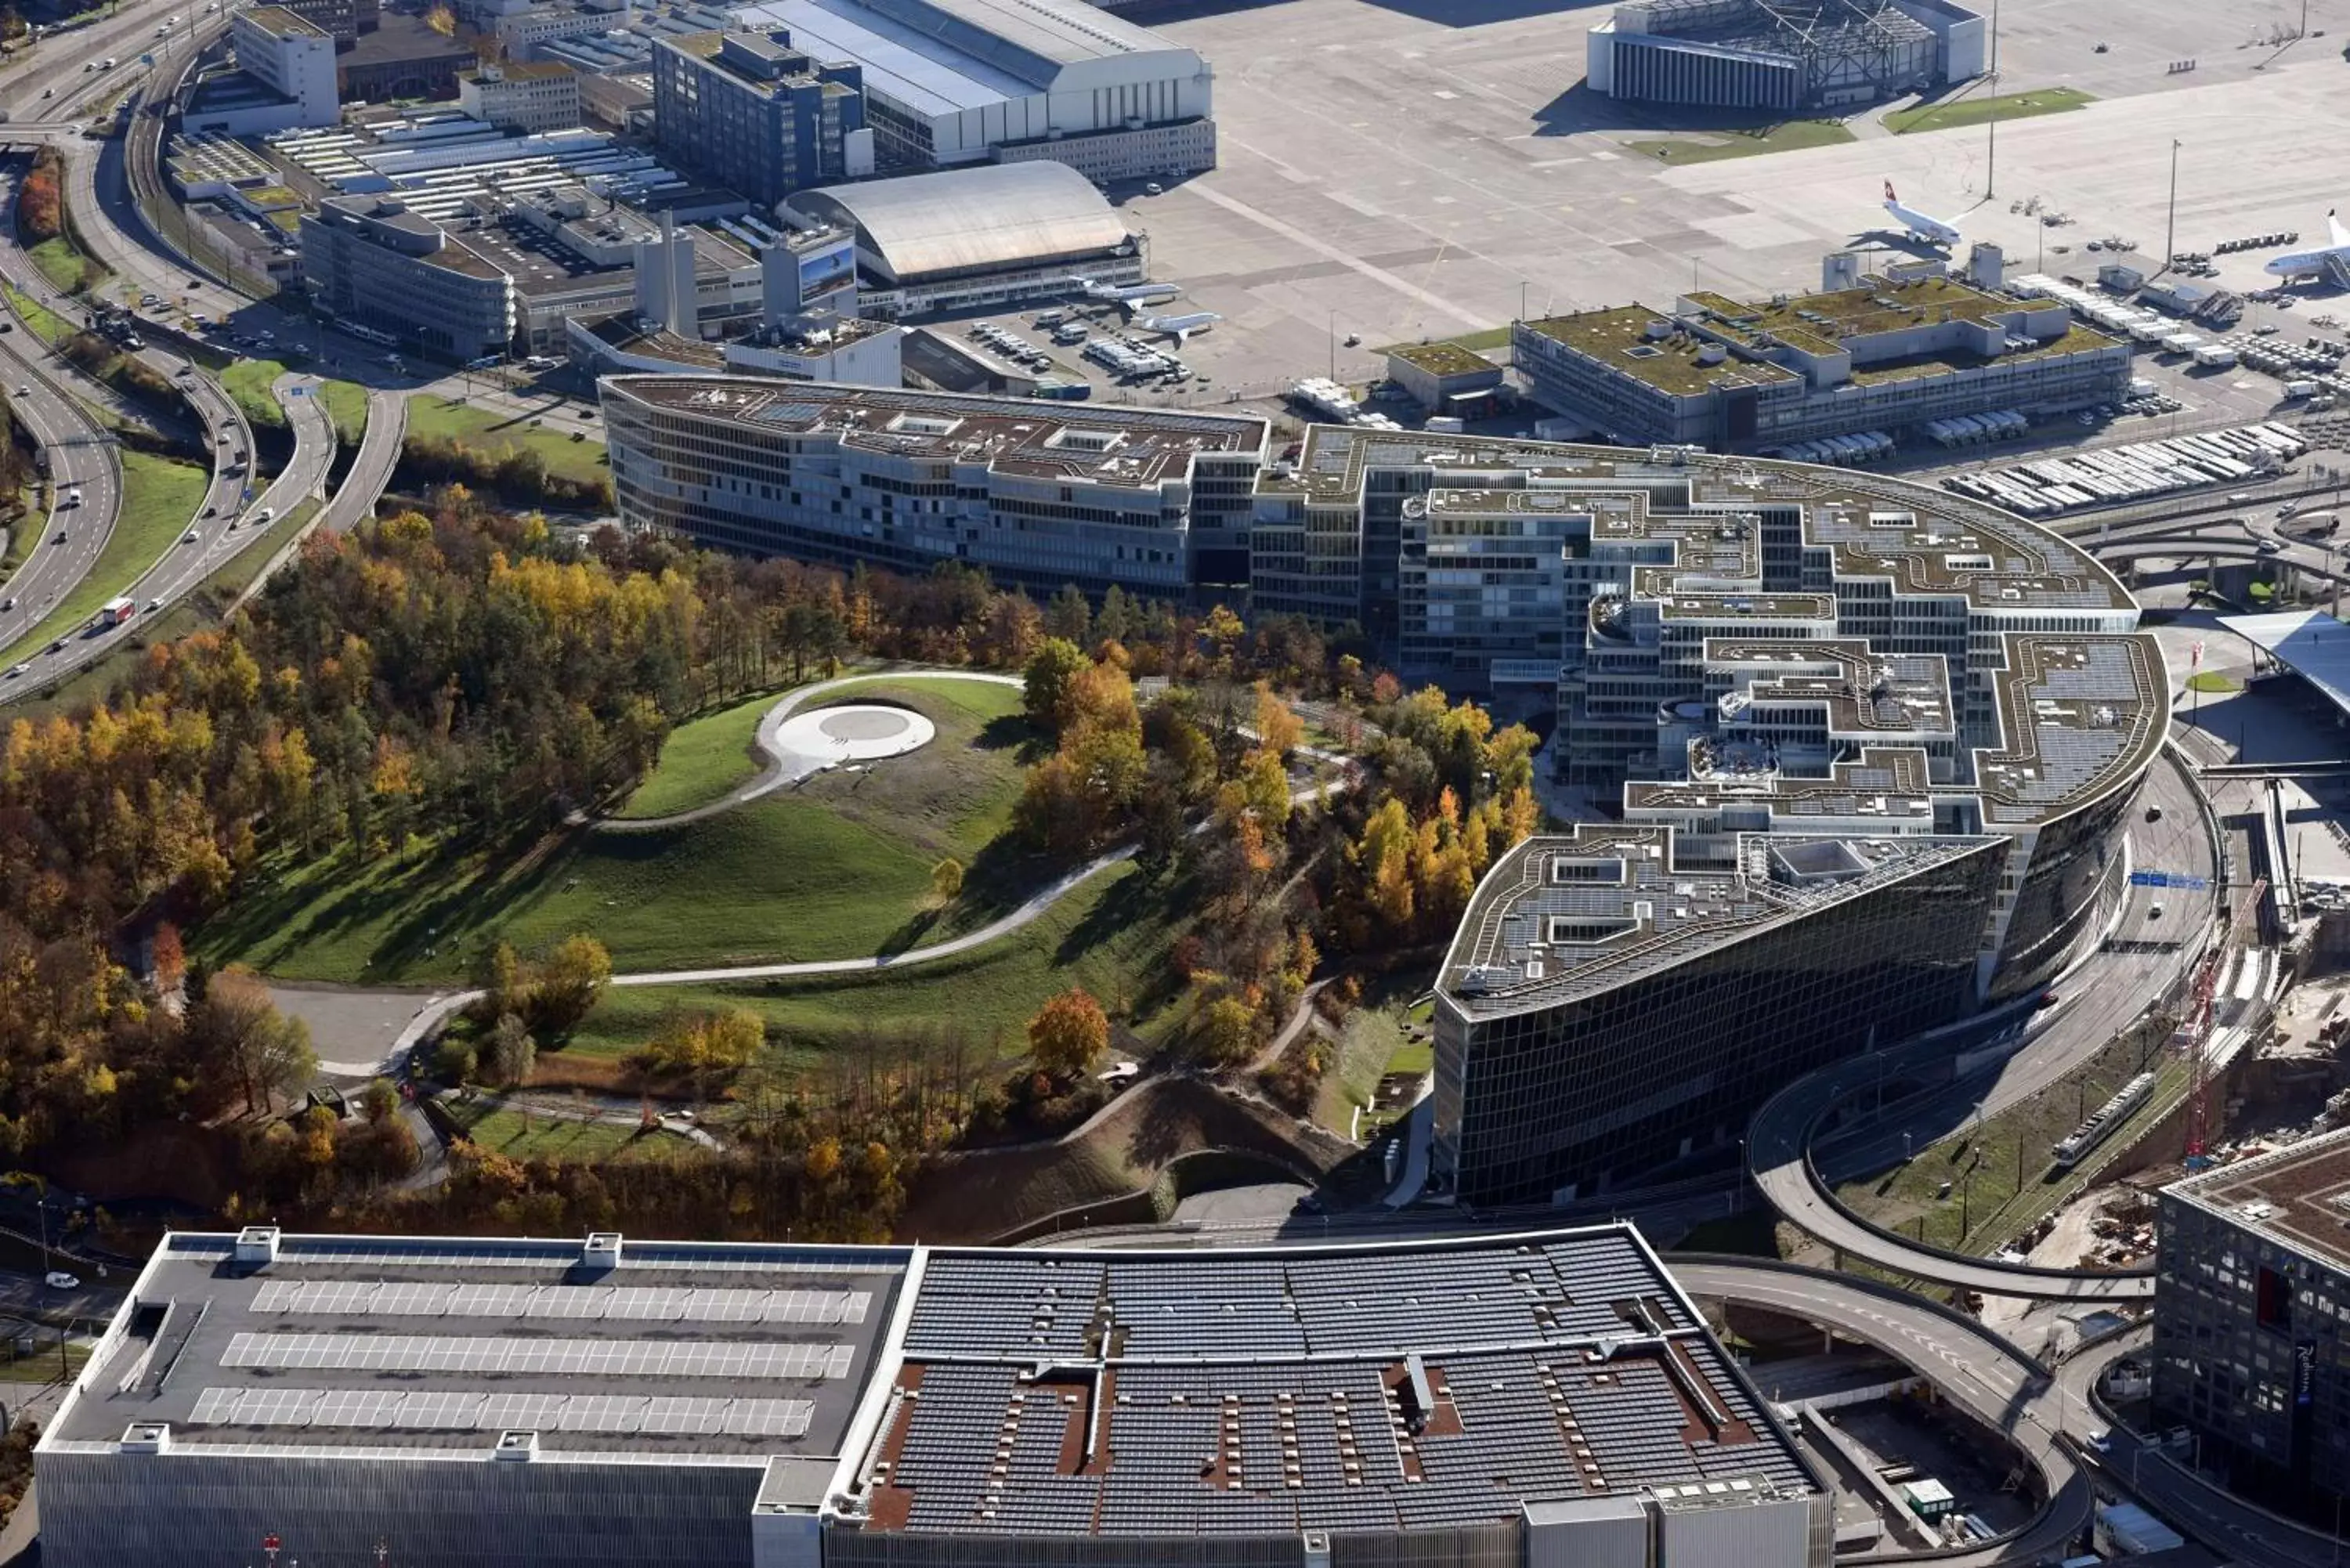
[{"x": 1400, "y": 169}]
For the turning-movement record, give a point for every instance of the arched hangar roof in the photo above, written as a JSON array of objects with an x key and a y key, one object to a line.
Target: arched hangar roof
[{"x": 988, "y": 216}]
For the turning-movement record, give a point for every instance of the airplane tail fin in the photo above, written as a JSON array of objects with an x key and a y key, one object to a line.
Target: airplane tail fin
[
  {"x": 1889, "y": 192},
  {"x": 2341, "y": 234}
]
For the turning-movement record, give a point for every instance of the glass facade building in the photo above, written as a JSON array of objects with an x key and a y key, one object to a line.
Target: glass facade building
[
  {"x": 1606, "y": 1009},
  {"x": 2252, "y": 1323}
]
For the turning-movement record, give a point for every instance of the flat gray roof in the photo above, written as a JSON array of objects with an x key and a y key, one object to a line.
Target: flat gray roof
[
  {"x": 377, "y": 1342},
  {"x": 1565, "y": 916}
]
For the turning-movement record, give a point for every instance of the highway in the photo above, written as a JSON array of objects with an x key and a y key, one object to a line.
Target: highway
[
  {"x": 97, "y": 192},
  {"x": 81, "y": 457}
]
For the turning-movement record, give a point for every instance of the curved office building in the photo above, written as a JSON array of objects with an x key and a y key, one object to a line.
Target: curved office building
[{"x": 1752, "y": 656}]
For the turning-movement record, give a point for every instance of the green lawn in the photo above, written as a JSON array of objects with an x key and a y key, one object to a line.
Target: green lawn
[
  {"x": 1711, "y": 147},
  {"x": 837, "y": 869},
  {"x": 1977, "y": 111},
  {"x": 46, "y": 323},
  {"x": 66, "y": 268},
  {"x": 160, "y": 497},
  {"x": 485, "y": 430},
  {"x": 248, "y": 382},
  {"x": 1483, "y": 342},
  {"x": 1111, "y": 936},
  {"x": 195, "y": 611},
  {"x": 2213, "y": 681},
  {"x": 523, "y": 1134},
  {"x": 347, "y": 405},
  {"x": 703, "y": 760}
]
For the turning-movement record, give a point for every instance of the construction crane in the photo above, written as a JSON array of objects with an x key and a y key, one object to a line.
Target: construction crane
[{"x": 2194, "y": 1033}]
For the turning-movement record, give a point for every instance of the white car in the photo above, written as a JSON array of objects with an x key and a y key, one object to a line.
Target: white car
[
  {"x": 24, "y": 391},
  {"x": 58, "y": 1280},
  {"x": 190, "y": 537}
]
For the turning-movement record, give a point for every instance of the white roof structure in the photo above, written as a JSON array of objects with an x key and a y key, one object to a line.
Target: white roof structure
[
  {"x": 990, "y": 216},
  {"x": 941, "y": 55},
  {"x": 2311, "y": 643},
  {"x": 951, "y": 80}
]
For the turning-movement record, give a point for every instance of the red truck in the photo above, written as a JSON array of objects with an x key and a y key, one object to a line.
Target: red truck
[{"x": 115, "y": 611}]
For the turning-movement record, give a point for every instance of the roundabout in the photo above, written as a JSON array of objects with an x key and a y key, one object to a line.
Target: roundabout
[{"x": 855, "y": 733}]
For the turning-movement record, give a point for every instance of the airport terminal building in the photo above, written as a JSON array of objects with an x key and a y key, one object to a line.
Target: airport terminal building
[{"x": 1510, "y": 1402}]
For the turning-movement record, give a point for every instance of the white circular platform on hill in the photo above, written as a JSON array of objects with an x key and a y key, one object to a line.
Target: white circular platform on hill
[{"x": 855, "y": 733}]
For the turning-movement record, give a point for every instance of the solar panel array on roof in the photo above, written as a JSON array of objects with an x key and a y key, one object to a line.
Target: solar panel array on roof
[
  {"x": 457, "y": 1411},
  {"x": 368, "y": 1298},
  {"x": 1315, "y": 1305},
  {"x": 580, "y": 1357}
]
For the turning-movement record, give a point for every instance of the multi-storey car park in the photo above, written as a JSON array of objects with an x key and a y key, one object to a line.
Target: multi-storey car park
[
  {"x": 2251, "y": 1322},
  {"x": 1530, "y": 1399},
  {"x": 1721, "y": 970},
  {"x": 1039, "y": 494}
]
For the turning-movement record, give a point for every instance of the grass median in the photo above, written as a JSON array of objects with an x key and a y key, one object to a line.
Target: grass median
[
  {"x": 1967, "y": 111},
  {"x": 1999, "y": 1170},
  {"x": 159, "y": 495},
  {"x": 38, "y": 318},
  {"x": 1712, "y": 147},
  {"x": 67, "y": 269}
]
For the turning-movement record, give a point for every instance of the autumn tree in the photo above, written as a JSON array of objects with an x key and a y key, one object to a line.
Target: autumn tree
[
  {"x": 946, "y": 880},
  {"x": 1054, "y": 664},
  {"x": 167, "y": 959},
  {"x": 1068, "y": 1034},
  {"x": 237, "y": 1024},
  {"x": 512, "y": 1053},
  {"x": 569, "y": 983}
]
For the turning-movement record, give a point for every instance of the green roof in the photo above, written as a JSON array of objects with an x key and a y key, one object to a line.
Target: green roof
[{"x": 1442, "y": 359}]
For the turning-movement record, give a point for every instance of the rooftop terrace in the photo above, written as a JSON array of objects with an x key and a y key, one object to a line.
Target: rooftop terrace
[
  {"x": 1124, "y": 447},
  {"x": 2298, "y": 1195},
  {"x": 2080, "y": 714},
  {"x": 1562, "y": 917}
]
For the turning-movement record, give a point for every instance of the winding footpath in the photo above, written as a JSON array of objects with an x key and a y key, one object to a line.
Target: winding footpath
[{"x": 785, "y": 767}]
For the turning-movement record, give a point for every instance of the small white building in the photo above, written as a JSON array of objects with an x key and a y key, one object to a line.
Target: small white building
[
  {"x": 289, "y": 64},
  {"x": 543, "y": 97}
]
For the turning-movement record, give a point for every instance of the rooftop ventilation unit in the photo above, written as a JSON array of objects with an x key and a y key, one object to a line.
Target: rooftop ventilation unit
[
  {"x": 256, "y": 1246},
  {"x": 517, "y": 1445},
  {"x": 601, "y": 1251},
  {"x": 147, "y": 1438}
]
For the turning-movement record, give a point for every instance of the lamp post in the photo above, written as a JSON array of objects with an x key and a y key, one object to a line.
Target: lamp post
[{"x": 2170, "y": 223}]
